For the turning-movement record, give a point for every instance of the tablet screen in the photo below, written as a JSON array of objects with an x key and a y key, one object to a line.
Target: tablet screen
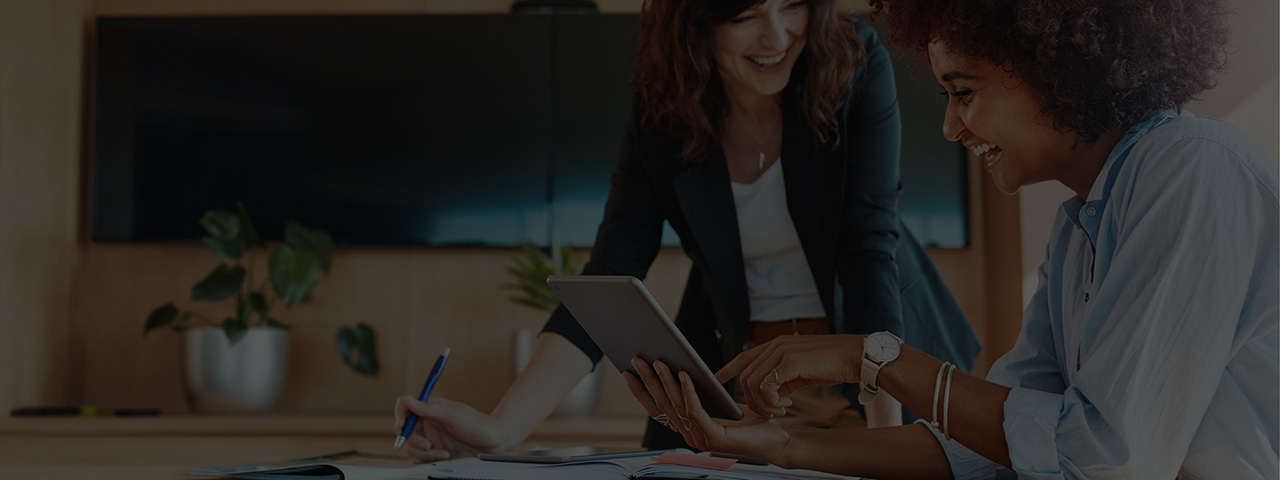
[{"x": 625, "y": 321}]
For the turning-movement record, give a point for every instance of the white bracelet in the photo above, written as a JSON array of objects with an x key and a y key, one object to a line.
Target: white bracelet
[
  {"x": 937, "y": 388},
  {"x": 946, "y": 405}
]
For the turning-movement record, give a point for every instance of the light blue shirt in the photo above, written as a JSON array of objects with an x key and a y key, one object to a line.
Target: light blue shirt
[{"x": 1151, "y": 347}]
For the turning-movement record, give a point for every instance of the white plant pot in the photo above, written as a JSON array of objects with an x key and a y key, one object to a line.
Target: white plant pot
[
  {"x": 245, "y": 377},
  {"x": 582, "y": 400}
]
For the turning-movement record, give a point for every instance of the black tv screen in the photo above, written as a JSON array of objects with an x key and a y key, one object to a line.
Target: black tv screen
[{"x": 385, "y": 130}]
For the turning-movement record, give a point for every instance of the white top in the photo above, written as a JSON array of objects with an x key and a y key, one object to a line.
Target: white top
[{"x": 780, "y": 285}]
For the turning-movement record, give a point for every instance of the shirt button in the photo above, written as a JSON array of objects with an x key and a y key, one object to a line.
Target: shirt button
[
  {"x": 1090, "y": 211},
  {"x": 1086, "y": 296},
  {"x": 719, "y": 337}
]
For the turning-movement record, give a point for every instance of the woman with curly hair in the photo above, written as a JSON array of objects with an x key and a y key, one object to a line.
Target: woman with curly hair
[
  {"x": 766, "y": 133},
  {"x": 1150, "y": 348}
]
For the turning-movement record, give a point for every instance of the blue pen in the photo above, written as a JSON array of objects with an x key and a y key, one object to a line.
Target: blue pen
[{"x": 422, "y": 397}]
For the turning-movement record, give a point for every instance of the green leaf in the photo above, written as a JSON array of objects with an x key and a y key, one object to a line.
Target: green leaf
[
  {"x": 367, "y": 356},
  {"x": 160, "y": 317},
  {"x": 244, "y": 312},
  {"x": 182, "y": 322},
  {"x": 365, "y": 336},
  {"x": 361, "y": 342},
  {"x": 530, "y": 271},
  {"x": 221, "y": 224},
  {"x": 235, "y": 330},
  {"x": 223, "y": 282},
  {"x": 536, "y": 258},
  {"x": 316, "y": 241},
  {"x": 346, "y": 343},
  {"x": 292, "y": 273},
  {"x": 568, "y": 265},
  {"x": 248, "y": 233},
  {"x": 228, "y": 248},
  {"x": 367, "y": 365},
  {"x": 258, "y": 303}
]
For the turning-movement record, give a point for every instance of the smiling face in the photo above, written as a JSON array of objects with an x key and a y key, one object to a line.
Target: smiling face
[
  {"x": 756, "y": 50},
  {"x": 997, "y": 117}
]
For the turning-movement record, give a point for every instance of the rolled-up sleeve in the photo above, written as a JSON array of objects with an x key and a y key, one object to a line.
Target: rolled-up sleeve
[{"x": 965, "y": 463}]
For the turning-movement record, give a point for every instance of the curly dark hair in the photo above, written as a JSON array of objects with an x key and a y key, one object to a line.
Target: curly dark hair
[
  {"x": 1099, "y": 65},
  {"x": 679, "y": 88}
]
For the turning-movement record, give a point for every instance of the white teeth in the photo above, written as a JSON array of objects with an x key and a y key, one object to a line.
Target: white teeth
[
  {"x": 981, "y": 149},
  {"x": 769, "y": 61}
]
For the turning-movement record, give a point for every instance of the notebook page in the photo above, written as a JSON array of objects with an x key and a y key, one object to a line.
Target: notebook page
[
  {"x": 738, "y": 471},
  {"x": 476, "y": 469}
]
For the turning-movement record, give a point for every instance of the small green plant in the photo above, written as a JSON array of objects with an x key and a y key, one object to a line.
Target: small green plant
[
  {"x": 531, "y": 271},
  {"x": 292, "y": 270}
]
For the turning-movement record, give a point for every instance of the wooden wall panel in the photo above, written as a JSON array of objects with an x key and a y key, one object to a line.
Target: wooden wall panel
[{"x": 40, "y": 45}]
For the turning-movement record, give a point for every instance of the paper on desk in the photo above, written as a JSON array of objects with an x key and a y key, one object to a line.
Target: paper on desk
[
  {"x": 350, "y": 465},
  {"x": 700, "y": 461}
]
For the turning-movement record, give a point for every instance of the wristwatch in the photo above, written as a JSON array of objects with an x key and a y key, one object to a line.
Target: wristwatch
[{"x": 878, "y": 350}]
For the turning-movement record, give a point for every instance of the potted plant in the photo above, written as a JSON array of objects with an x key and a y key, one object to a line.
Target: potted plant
[
  {"x": 530, "y": 271},
  {"x": 238, "y": 363}
]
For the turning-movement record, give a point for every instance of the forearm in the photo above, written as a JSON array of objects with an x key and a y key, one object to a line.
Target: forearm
[
  {"x": 884, "y": 411},
  {"x": 554, "y": 368},
  {"x": 908, "y": 451},
  {"x": 975, "y": 416}
]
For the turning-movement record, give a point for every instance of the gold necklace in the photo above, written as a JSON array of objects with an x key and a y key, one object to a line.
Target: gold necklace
[{"x": 760, "y": 140}]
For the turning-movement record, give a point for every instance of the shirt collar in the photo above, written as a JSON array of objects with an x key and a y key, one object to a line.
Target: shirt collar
[{"x": 1085, "y": 214}]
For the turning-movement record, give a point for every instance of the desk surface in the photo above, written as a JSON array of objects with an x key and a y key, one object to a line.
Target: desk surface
[{"x": 163, "y": 447}]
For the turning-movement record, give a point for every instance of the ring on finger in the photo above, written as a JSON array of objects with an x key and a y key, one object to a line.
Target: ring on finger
[
  {"x": 688, "y": 423},
  {"x": 775, "y": 378},
  {"x": 662, "y": 419}
]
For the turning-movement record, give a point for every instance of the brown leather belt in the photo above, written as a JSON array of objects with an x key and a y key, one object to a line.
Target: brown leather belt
[{"x": 761, "y": 332}]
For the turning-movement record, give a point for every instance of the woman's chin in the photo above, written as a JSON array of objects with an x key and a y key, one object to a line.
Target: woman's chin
[
  {"x": 1004, "y": 183},
  {"x": 769, "y": 89}
]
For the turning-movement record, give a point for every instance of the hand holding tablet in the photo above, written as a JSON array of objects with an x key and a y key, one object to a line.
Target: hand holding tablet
[{"x": 626, "y": 322}]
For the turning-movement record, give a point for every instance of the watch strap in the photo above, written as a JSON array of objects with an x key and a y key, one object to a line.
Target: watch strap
[{"x": 869, "y": 389}]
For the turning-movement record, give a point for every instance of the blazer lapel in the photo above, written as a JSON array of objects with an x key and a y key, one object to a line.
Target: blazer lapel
[
  {"x": 813, "y": 181},
  {"x": 706, "y": 200}
]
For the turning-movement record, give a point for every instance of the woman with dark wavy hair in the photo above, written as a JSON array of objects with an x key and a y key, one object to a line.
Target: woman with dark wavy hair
[
  {"x": 766, "y": 133},
  {"x": 1150, "y": 349}
]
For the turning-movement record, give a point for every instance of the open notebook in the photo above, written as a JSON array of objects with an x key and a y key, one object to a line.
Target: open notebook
[
  {"x": 350, "y": 465},
  {"x": 358, "y": 466},
  {"x": 621, "y": 469}
]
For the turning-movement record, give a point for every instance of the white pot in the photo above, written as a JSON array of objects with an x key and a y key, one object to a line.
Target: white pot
[
  {"x": 245, "y": 377},
  {"x": 581, "y": 401}
]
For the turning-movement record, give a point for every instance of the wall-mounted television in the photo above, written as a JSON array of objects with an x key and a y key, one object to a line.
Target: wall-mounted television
[{"x": 389, "y": 130}]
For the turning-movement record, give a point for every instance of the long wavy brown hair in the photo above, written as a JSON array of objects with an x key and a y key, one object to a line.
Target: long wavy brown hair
[{"x": 678, "y": 85}]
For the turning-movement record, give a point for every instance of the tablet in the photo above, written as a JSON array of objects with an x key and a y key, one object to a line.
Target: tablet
[{"x": 625, "y": 321}]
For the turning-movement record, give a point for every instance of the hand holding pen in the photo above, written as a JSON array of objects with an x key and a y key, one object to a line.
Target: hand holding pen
[
  {"x": 443, "y": 429},
  {"x": 422, "y": 397}
]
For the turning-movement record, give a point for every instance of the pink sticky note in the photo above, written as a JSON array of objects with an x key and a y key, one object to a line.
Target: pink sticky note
[{"x": 700, "y": 461}]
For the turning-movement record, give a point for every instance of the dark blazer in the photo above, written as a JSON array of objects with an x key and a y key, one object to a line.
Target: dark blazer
[{"x": 870, "y": 272}]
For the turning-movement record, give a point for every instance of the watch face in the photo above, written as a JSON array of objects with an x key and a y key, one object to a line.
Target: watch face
[{"x": 881, "y": 347}]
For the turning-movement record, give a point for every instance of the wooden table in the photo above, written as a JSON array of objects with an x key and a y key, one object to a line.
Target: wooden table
[{"x": 163, "y": 447}]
